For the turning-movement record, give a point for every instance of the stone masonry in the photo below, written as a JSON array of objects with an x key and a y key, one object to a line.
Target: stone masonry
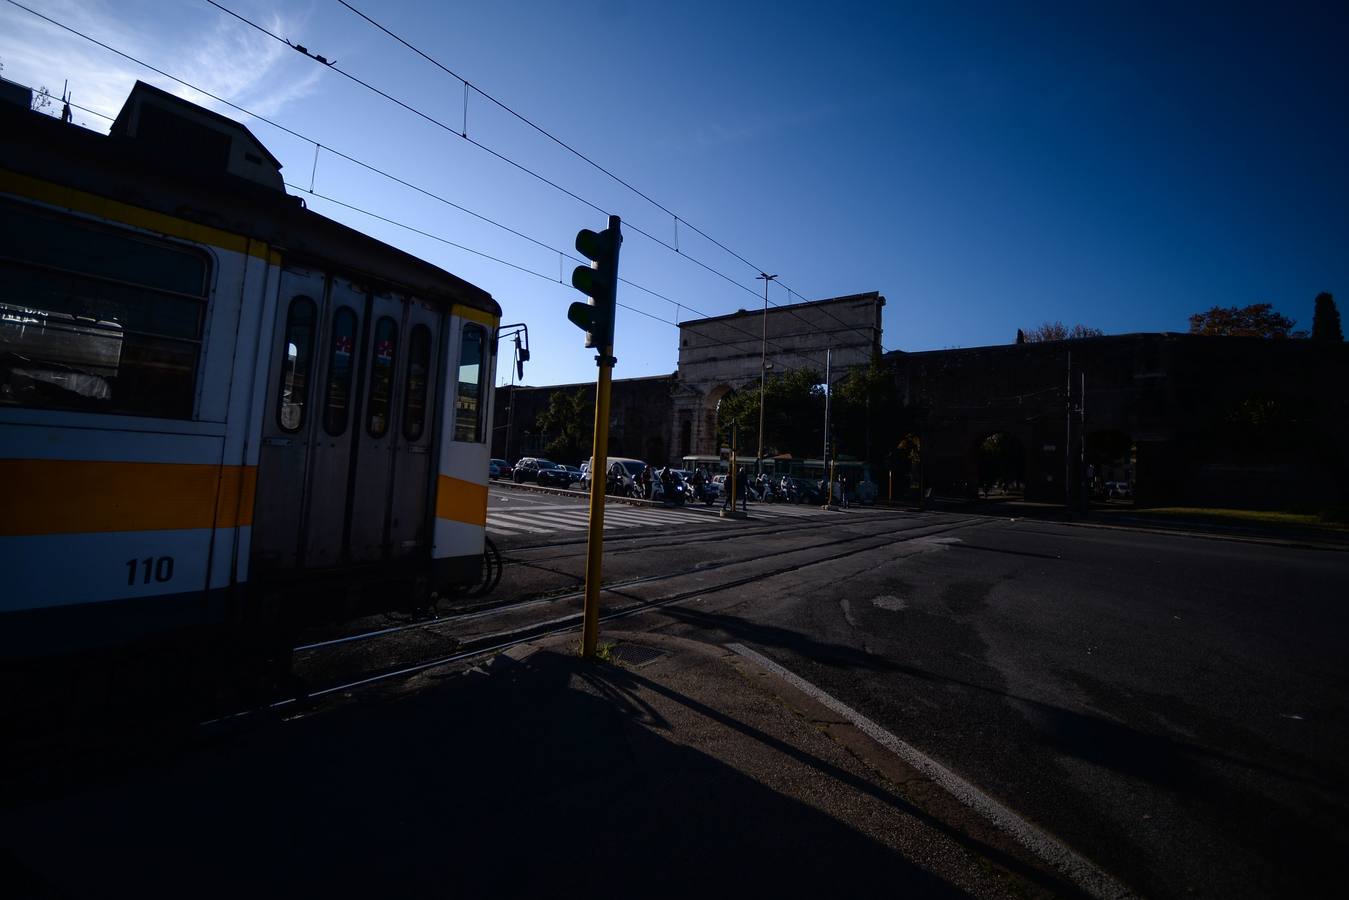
[{"x": 722, "y": 354}]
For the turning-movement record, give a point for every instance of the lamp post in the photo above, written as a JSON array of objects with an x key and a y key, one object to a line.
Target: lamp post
[{"x": 763, "y": 359}]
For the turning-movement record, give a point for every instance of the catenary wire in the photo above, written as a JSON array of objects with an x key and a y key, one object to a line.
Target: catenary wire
[
  {"x": 469, "y": 85},
  {"x": 621, "y": 181},
  {"x": 190, "y": 86},
  {"x": 778, "y": 350},
  {"x": 866, "y": 332}
]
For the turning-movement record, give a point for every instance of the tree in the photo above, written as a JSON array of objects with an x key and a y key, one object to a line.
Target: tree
[
  {"x": 1056, "y": 331},
  {"x": 1256, "y": 320},
  {"x": 42, "y": 99},
  {"x": 1326, "y": 319},
  {"x": 866, "y": 414},
  {"x": 793, "y": 415},
  {"x": 570, "y": 418}
]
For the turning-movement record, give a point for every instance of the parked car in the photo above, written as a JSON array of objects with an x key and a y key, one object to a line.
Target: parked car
[
  {"x": 1119, "y": 490},
  {"x": 551, "y": 474},
  {"x": 498, "y": 468},
  {"x": 622, "y": 475},
  {"x": 528, "y": 468}
]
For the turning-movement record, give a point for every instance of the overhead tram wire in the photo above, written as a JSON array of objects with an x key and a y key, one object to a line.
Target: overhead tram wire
[
  {"x": 468, "y": 85},
  {"x": 277, "y": 125},
  {"x": 780, "y": 351},
  {"x": 464, "y": 135}
]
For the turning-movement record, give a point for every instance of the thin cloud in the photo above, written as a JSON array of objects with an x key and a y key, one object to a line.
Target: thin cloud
[{"x": 226, "y": 58}]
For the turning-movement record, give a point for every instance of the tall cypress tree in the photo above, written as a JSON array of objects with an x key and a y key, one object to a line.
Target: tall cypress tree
[{"x": 1326, "y": 320}]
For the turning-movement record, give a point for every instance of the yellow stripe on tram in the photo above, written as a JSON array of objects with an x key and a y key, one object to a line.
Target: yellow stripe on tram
[
  {"x": 48, "y": 496},
  {"x": 461, "y": 501}
]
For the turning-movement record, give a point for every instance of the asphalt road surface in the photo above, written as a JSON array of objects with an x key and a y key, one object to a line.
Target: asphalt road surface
[{"x": 1173, "y": 708}]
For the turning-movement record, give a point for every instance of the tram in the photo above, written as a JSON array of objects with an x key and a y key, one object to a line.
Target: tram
[{"x": 218, "y": 407}]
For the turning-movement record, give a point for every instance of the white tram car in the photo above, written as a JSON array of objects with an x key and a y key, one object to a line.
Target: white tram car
[{"x": 212, "y": 399}]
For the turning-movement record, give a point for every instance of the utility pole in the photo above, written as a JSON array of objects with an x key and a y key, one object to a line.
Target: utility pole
[
  {"x": 1084, "y": 501},
  {"x": 828, "y": 471},
  {"x": 1068, "y": 441},
  {"x": 763, "y": 359}
]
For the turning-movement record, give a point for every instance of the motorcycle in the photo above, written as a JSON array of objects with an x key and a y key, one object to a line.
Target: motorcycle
[{"x": 676, "y": 493}]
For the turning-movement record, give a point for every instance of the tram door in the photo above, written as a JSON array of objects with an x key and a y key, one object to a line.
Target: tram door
[
  {"x": 349, "y": 431},
  {"x": 333, "y": 431},
  {"x": 415, "y": 444},
  {"x": 278, "y": 510}
]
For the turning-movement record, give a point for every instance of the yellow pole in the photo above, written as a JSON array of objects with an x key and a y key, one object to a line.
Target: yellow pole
[
  {"x": 590, "y": 632},
  {"x": 734, "y": 495}
]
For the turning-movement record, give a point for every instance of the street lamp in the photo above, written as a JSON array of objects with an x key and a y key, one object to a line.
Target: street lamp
[{"x": 763, "y": 359}]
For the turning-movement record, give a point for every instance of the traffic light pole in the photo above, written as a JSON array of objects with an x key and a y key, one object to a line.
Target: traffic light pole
[
  {"x": 590, "y": 631},
  {"x": 596, "y": 317}
]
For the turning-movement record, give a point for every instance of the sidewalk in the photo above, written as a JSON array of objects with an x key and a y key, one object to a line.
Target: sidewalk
[{"x": 681, "y": 769}]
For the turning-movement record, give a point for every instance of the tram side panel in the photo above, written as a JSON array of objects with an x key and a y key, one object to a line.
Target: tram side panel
[{"x": 118, "y": 338}]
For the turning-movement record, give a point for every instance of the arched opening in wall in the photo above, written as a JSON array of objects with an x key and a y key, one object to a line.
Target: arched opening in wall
[
  {"x": 685, "y": 433},
  {"x": 1111, "y": 464},
  {"x": 1001, "y": 466}
]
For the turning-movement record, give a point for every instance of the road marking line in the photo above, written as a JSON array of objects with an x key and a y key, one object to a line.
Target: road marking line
[{"x": 1080, "y": 870}]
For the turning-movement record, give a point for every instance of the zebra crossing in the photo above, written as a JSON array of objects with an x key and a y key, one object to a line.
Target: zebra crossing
[{"x": 544, "y": 519}]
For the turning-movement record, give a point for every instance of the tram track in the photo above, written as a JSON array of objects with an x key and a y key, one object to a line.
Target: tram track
[
  {"x": 496, "y": 642},
  {"x": 498, "y": 609}
]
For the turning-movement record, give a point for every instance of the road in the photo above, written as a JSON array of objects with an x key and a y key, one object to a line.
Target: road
[{"x": 1173, "y": 708}]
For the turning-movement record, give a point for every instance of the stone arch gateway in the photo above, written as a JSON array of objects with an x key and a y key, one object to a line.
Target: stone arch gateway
[{"x": 724, "y": 353}]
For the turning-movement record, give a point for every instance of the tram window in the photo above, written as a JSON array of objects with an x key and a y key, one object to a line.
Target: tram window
[
  {"x": 293, "y": 388},
  {"x": 381, "y": 377},
  {"x": 414, "y": 394},
  {"x": 97, "y": 319},
  {"x": 339, "y": 371},
  {"x": 472, "y": 373}
]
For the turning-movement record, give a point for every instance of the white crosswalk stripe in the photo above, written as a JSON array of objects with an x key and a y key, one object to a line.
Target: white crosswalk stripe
[
  {"x": 570, "y": 517},
  {"x": 541, "y": 520}
]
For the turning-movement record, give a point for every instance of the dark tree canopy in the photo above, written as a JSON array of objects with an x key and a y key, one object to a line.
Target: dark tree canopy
[
  {"x": 1326, "y": 319},
  {"x": 1256, "y": 320},
  {"x": 1057, "y": 331},
  {"x": 570, "y": 418},
  {"x": 793, "y": 415}
]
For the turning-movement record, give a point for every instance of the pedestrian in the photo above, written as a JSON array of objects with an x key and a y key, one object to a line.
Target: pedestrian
[
  {"x": 644, "y": 481},
  {"x": 742, "y": 488},
  {"x": 843, "y": 489}
]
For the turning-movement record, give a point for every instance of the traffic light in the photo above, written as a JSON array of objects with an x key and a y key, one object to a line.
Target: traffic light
[{"x": 600, "y": 281}]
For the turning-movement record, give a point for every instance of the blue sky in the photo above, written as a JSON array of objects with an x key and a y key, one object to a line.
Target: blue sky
[{"x": 984, "y": 166}]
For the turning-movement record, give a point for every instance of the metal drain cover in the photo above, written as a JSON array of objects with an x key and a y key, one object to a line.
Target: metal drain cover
[{"x": 636, "y": 654}]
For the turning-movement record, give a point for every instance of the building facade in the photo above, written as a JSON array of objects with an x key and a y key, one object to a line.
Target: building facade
[
  {"x": 728, "y": 353},
  {"x": 1185, "y": 419}
]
